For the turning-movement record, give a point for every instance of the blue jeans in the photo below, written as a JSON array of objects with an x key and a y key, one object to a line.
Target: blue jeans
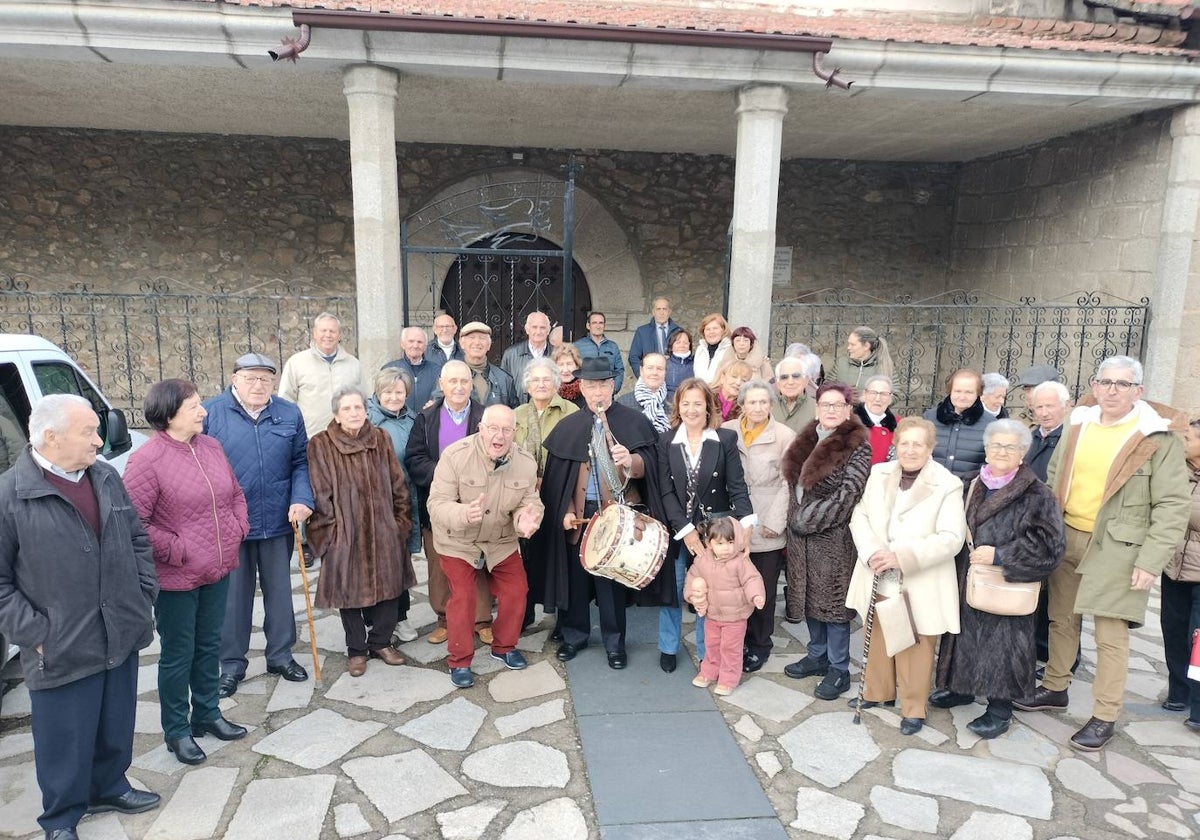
[
  {"x": 670, "y": 619},
  {"x": 831, "y": 641}
]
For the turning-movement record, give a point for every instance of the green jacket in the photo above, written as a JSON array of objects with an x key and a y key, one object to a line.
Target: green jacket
[{"x": 1143, "y": 515}]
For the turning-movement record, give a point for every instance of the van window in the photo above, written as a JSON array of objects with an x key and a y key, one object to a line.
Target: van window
[
  {"x": 14, "y": 417},
  {"x": 62, "y": 378}
]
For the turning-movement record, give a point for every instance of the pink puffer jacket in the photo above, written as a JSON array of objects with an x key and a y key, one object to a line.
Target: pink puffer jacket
[
  {"x": 192, "y": 506},
  {"x": 733, "y": 584}
]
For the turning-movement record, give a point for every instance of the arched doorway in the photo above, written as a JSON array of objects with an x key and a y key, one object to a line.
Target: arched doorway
[{"x": 501, "y": 290}]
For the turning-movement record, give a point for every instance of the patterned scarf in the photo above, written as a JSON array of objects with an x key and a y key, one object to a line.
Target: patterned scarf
[
  {"x": 992, "y": 481},
  {"x": 652, "y": 403},
  {"x": 569, "y": 391}
]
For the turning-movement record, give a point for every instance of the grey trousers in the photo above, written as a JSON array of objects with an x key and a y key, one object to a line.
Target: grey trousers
[{"x": 267, "y": 562}]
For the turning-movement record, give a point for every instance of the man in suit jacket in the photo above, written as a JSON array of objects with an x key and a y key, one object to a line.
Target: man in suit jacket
[{"x": 652, "y": 337}]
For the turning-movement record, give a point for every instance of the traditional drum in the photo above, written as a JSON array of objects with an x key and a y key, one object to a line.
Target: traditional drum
[{"x": 623, "y": 545}]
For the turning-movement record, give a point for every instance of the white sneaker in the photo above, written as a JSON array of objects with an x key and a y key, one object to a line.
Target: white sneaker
[{"x": 404, "y": 632}]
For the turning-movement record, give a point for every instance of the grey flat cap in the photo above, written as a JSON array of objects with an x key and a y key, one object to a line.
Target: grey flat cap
[
  {"x": 254, "y": 361},
  {"x": 1038, "y": 374}
]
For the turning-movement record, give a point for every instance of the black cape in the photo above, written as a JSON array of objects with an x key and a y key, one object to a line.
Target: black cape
[{"x": 567, "y": 448}]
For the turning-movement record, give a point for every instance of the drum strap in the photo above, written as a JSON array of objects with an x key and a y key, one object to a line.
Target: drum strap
[{"x": 607, "y": 480}]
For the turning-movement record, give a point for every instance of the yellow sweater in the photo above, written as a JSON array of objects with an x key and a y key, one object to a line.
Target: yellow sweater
[{"x": 1098, "y": 446}]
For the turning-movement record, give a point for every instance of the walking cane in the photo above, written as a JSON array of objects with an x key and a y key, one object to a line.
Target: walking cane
[
  {"x": 868, "y": 626},
  {"x": 312, "y": 631}
]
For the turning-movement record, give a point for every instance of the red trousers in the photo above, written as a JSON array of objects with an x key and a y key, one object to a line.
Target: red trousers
[
  {"x": 508, "y": 586},
  {"x": 723, "y": 651}
]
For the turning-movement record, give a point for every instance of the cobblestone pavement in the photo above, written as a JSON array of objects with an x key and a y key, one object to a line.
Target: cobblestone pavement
[{"x": 399, "y": 753}]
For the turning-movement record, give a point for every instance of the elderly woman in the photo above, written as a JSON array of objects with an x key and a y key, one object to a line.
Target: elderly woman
[
  {"x": 907, "y": 529},
  {"x": 866, "y": 355},
  {"x": 649, "y": 394},
  {"x": 1013, "y": 522},
  {"x": 360, "y": 528},
  {"x": 190, "y": 501},
  {"x": 876, "y": 414},
  {"x": 995, "y": 391},
  {"x": 729, "y": 385},
  {"x": 742, "y": 343},
  {"x": 700, "y": 477},
  {"x": 960, "y": 420},
  {"x": 1180, "y": 616},
  {"x": 826, "y": 469},
  {"x": 679, "y": 361},
  {"x": 545, "y": 408},
  {"x": 793, "y": 406},
  {"x": 387, "y": 409},
  {"x": 568, "y": 360},
  {"x": 762, "y": 442},
  {"x": 712, "y": 348}
]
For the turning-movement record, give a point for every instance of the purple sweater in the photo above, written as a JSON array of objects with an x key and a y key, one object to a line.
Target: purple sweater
[{"x": 192, "y": 506}]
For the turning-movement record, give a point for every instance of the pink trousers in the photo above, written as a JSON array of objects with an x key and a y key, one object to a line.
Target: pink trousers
[{"x": 723, "y": 651}]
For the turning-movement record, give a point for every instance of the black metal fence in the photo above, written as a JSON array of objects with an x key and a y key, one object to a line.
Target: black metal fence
[
  {"x": 126, "y": 342},
  {"x": 931, "y": 338}
]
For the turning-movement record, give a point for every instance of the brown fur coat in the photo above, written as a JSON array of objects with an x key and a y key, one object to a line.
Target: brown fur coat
[{"x": 820, "y": 550}]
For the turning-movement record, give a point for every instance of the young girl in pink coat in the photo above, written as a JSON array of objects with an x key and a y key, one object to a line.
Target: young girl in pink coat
[{"x": 724, "y": 587}]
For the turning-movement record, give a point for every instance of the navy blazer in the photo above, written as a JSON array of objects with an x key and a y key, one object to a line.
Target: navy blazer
[
  {"x": 645, "y": 341},
  {"x": 721, "y": 487}
]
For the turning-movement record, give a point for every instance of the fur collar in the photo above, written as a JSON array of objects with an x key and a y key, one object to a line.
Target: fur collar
[
  {"x": 831, "y": 454},
  {"x": 984, "y": 506},
  {"x": 947, "y": 416},
  {"x": 889, "y": 419}
]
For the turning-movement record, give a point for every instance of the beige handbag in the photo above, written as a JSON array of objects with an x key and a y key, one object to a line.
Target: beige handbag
[
  {"x": 894, "y": 617},
  {"x": 989, "y": 592}
]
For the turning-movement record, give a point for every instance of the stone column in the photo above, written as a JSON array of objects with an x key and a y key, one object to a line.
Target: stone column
[
  {"x": 371, "y": 96},
  {"x": 760, "y": 113},
  {"x": 1173, "y": 354}
]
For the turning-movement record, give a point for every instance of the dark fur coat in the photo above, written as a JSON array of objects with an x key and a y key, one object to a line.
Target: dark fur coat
[
  {"x": 993, "y": 655},
  {"x": 820, "y": 550}
]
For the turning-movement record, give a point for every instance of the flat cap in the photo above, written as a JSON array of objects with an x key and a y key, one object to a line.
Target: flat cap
[
  {"x": 254, "y": 361},
  {"x": 1038, "y": 374},
  {"x": 474, "y": 327}
]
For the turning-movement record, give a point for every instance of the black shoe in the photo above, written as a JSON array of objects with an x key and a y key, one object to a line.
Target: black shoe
[
  {"x": 1174, "y": 706},
  {"x": 219, "y": 728},
  {"x": 835, "y": 684},
  {"x": 944, "y": 698},
  {"x": 227, "y": 685},
  {"x": 1193, "y": 725},
  {"x": 855, "y": 703},
  {"x": 752, "y": 662},
  {"x": 988, "y": 726},
  {"x": 1093, "y": 736},
  {"x": 666, "y": 661},
  {"x": 186, "y": 749},
  {"x": 292, "y": 672},
  {"x": 62, "y": 834},
  {"x": 556, "y": 635},
  {"x": 567, "y": 651},
  {"x": 1043, "y": 700},
  {"x": 617, "y": 660},
  {"x": 130, "y": 802},
  {"x": 911, "y": 726},
  {"x": 807, "y": 667}
]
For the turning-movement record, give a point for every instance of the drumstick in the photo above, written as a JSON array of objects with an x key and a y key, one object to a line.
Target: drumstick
[{"x": 575, "y": 523}]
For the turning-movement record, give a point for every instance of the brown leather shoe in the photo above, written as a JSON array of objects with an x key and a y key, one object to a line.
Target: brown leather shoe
[
  {"x": 1043, "y": 700},
  {"x": 358, "y": 666},
  {"x": 389, "y": 655},
  {"x": 484, "y": 634},
  {"x": 1094, "y": 735},
  {"x": 437, "y": 636}
]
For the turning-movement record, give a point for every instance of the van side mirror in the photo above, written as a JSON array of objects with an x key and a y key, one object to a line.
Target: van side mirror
[{"x": 118, "y": 438}]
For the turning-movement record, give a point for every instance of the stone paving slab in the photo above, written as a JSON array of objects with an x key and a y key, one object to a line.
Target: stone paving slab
[
  {"x": 318, "y": 738},
  {"x": 642, "y": 686},
  {"x": 20, "y": 799},
  {"x": 404, "y": 784},
  {"x": 749, "y": 829},
  {"x": 688, "y": 759},
  {"x": 1014, "y": 788},
  {"x": 391, "y": 689},
  {"x": 282, "y": 808},
  {"x": 16, "y": 702},
  {"x": 194, "y": 811},
  {"x": 159, "y": 760},
  {"x": 16, "y": 744}
]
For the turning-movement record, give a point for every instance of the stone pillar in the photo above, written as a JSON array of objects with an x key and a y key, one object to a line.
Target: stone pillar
[
  {"x": 371, "y": 96},
  {"x": 760, "y": 113},
  {"x": 1172, "y": 363}
]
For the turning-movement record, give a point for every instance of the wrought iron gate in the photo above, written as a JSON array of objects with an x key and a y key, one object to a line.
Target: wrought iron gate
[
  {"x": 931, "y": 338},
  {"x": 489, "y": 254}
]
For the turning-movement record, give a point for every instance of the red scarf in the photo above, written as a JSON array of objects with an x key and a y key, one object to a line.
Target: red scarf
[{"x": 569, "y": 391}]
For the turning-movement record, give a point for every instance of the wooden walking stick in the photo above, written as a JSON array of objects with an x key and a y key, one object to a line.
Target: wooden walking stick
[
  {"x": 312, "y": 630},
  {"x": 868, "y": 626}
]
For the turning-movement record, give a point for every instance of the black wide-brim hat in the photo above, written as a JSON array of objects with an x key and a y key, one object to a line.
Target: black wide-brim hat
[{"x": 596, "y": 368}]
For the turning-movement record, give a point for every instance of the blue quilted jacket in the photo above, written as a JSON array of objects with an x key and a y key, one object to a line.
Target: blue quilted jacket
[{"x": 270, "y": 458}]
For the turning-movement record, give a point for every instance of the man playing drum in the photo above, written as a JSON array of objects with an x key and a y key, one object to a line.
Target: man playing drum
[{"x": 603, "y": 453}]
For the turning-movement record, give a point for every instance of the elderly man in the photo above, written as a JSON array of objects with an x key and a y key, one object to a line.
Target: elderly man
[
  {"x": 484, "y": 496},
  {"x": 649, "y": 394},
  {"x": 444, "y": 349},
  {"x": 423, "y": 369},
  {"x": 1120, "y": 476},
  {"x": 492, "y": 385},
  {"x": 450, "y": 419},
  {"x": 792, "y": 406},
  {"x": 77, "y": 584},
  {"x": 995, "y": 390},
  {"x": 265, "y": 442},
  {"x": 537, "y": 329},
  {"x": 652, "y": 337},
  {"x": 1030, "y": 378},
  {"x": 311, "y": 376},
  {"x": 595, "y": 344}
]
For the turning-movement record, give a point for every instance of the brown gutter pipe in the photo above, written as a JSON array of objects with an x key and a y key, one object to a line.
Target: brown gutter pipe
[{"x": 444, "y": 25}]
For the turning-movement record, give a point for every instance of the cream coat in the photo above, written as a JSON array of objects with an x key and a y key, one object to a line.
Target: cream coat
[
  {"x": 309, "y": 381},
  {"x": 762, "y": 464},
  {"x": 926, "y": 527}
]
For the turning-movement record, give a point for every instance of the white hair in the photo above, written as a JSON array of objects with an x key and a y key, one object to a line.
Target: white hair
[
  {"x": 1122, "y": 362},
  {"x": 541, "y": 363},
  {"x": 992, "y": 381},
  {"x": 50, "y": 415},
  {"x": 1008, "y": 427},
  {"x": 880, "y": 377},
  {"x": 810, "y": 365},
  {"x": 1057, "y": 388},
  {"x": 404, "y": 332}
]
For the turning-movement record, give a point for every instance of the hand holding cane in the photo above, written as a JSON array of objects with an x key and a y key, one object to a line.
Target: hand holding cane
[
  {"x": 312, "y": 631},
  {"x": 868, "y": 626}
]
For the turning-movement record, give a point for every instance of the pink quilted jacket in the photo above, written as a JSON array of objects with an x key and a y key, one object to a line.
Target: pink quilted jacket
[
  {"x": 733, "y": 584},
  {"x": 192, "y": 506}
]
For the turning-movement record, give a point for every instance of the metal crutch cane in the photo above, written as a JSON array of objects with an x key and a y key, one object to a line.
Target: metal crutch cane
[
  {"x": 312, "y": 631},
  {"x": 868, "y": 626}
]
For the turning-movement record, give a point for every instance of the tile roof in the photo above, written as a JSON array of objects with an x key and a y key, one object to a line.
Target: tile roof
[{"x": 1012, "y": 32}]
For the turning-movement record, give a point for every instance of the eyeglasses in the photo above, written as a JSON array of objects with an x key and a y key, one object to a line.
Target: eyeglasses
[
  {"x": 1006, "y": 448},
  {"x": 1119, "y": 384},
  {"x": 256, "y": 380},
  {"x": 828, "y": 406},
  {"x": 498, "y": 430},
  {"x": 541, "y": 380},
  {"x": 784, "y": 376},
  {"x": 877, "y": 393}
]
